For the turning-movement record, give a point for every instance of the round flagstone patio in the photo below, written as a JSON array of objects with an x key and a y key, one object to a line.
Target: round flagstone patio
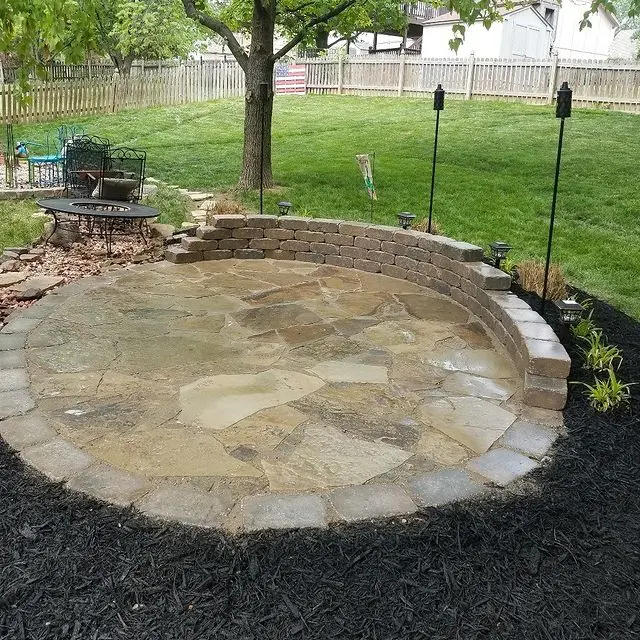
[{"x": 259, "y": 393}]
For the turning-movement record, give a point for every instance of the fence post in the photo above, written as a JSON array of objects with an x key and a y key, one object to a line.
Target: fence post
[
  {"x": 470, "y": 70},
  {"x": 553, "y": 77},
  {"x": 401, "y": 73},
  {"x": 115, "y": 79},
  {"x": 340, "y": 74}
]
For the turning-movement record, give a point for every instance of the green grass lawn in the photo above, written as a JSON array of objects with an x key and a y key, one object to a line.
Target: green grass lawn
[
  {"x": 17, "y": 224},
  {"x": 495, "y": 170}
]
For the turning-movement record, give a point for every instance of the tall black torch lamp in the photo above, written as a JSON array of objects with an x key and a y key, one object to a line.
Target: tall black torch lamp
[
  {"x": 438, "y": 106},
  {"x": 563, "y": 110}
]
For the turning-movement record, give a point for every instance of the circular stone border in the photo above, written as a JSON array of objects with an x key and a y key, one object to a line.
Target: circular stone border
[{"x": 519, "y": 451}]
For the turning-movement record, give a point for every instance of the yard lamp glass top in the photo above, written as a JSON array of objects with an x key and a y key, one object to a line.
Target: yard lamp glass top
[
  {"x": 563, "y": 103},
  {"x": 283, "y": 208},
  {"x": 570, "y": 311},
  {"x": 405, "y": 219},
  {"x": 438, "y": 99},
  {"x": 499, "y": 251}
]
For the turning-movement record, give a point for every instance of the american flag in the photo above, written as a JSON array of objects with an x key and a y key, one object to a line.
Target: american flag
[{"x": 290, "y": 78}]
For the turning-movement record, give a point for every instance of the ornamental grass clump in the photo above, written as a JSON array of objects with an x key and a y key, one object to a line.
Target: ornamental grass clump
[
  {"x": 531, "y": 278},
  {"x": 423, "y": 225}
]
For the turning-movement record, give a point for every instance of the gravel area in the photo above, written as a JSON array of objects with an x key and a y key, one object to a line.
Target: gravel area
[{"x": 83, "y": 259}]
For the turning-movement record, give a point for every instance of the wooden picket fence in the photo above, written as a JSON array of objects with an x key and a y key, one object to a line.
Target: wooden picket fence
[
  {"x": 194, "y": 82},
  {"x": 602, "y": 83}
]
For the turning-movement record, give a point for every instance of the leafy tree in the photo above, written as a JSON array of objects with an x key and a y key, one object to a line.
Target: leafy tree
[
  {"x": 38, "y": 31},
  {"x": 300, "y": 22},
  {"x": 130, "y": 29}
]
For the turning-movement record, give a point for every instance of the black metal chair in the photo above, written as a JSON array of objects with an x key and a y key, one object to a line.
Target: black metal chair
[
  {"x": 84, "y": 157},
  {"x": 122, "y": 176}
]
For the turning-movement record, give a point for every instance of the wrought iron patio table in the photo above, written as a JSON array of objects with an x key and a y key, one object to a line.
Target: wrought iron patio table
[{"x": 105, "y": 218}]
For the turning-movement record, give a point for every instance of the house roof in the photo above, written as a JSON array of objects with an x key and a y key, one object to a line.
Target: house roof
[{"x": 452, "y": 17}]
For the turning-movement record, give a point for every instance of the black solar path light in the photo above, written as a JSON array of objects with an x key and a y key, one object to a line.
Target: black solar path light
[
  {"x": 499, "y": 252},
  {"x": 570, "y": 311},
  {"x": 438, "y": 106},
  {"x": 563, "y": 110},
  {"x": 405, "y": 219},
  {"x": 283, "y": 208}
]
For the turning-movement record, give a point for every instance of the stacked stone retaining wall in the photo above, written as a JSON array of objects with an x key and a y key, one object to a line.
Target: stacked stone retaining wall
[{"x": 448, "y": 266}]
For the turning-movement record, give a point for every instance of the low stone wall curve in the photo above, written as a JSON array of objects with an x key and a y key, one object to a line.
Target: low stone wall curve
[{"x": 448, "y": 266}]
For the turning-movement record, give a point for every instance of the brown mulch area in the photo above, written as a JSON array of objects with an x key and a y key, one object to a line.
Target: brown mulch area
[{"x": 86, "y": 259}]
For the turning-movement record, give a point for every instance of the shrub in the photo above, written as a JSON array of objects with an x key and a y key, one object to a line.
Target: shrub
[{"x": 531, "y": 278}]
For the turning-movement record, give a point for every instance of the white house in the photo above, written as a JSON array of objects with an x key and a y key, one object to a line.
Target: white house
[
  {"x": 592, "y": 42},
  {"x": 527, "y": 31}
]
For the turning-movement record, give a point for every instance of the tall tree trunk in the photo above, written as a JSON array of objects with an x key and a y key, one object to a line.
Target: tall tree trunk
[
  {"x": 122, "y": 63},
  {"x": 258, "y": 108},
  {"x": 322, "y": 38}
]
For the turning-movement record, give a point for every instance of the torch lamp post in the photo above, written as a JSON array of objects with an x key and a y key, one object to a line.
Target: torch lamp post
[
  {"x": 438, "y": 106},
  {"x": 563, "y": 110},
  {"x": 262, "y": 96}
]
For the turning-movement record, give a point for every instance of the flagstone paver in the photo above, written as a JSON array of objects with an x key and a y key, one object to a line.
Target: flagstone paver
[
  {"x": 502, "y": 466},
  {"x": 371, "y": 501},
  {"x": 264, "y": 393},
  {"x": 447, "y": 485},
  {"x": 283, "y": 512},
  {"x": 530, "y": 438}
]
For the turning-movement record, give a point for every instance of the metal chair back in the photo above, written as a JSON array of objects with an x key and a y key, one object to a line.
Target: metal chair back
[
  {"x": 123, "y": 174},
  {"x": 84, "y": 156}
]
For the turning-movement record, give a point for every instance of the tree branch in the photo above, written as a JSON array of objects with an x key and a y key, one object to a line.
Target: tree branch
[
  {"x": 220, "y": 28},
  {"x": 304, "y": 5},
  {"x": 337, "y": 10},
  {"x": 350, "y": 37}
]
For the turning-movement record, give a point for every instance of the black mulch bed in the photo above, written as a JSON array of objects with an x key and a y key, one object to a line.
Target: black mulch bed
[{"x": 559, "y": 562}]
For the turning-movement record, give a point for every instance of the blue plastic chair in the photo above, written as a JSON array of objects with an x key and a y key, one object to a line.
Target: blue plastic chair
[{"x": 45, "y": 170}]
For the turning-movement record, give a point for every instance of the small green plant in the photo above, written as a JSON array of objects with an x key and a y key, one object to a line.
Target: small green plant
[
  {"x": 598, "y": 355},
  {"x": 174, "y": 208},
  {"x": 606, "y": 394},
  {"x": 586, "y": 326},
  {"x": 509, "y": 265}
]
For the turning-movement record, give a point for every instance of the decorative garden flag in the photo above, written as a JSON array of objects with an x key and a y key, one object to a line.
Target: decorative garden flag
[{"x": 365, "y": 166}]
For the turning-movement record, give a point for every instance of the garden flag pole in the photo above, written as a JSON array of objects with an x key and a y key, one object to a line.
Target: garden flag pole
[
  {"x": 563, "y": 110},
  {"x": 438, "y": 106},
  {"x": 366, "y": 164}
]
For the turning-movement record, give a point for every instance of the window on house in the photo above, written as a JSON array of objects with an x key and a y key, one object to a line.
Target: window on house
[{"x": 550, "y": 16}]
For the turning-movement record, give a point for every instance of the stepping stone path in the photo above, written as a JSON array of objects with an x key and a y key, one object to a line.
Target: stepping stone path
[{"x": 248, "y": 394}]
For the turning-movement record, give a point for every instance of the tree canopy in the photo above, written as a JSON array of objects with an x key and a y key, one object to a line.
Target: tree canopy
[{"x": 38, "y": 31}]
